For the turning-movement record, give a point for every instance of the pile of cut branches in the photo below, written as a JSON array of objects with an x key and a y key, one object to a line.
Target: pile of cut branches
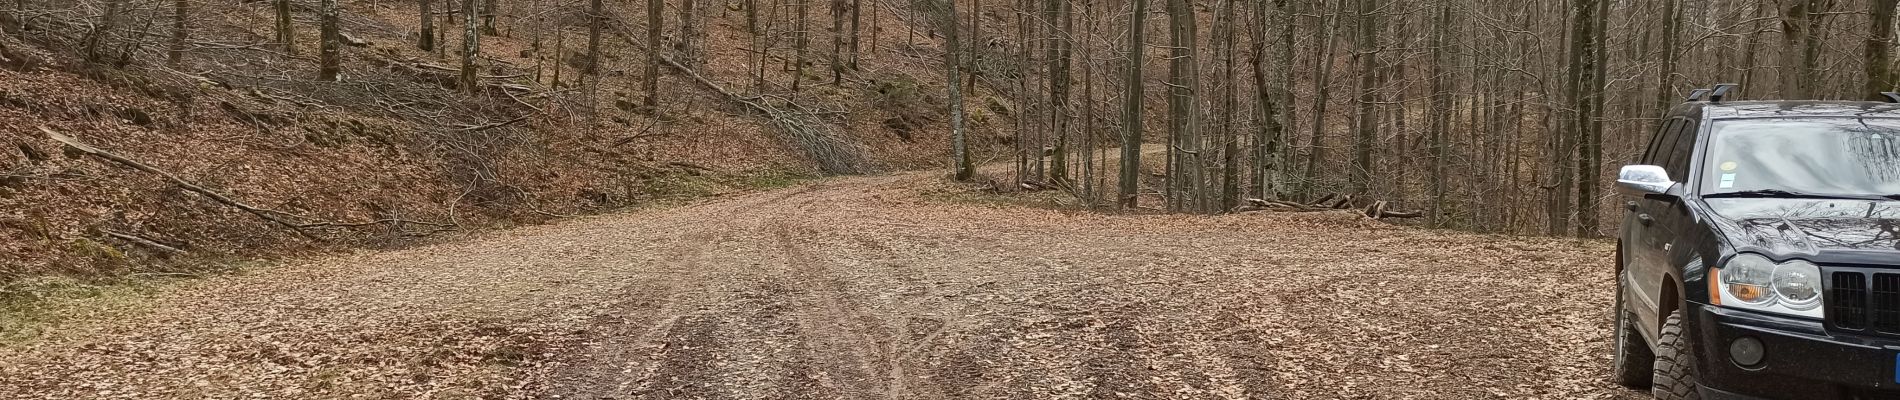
[{"x": 1375, "y": 209}]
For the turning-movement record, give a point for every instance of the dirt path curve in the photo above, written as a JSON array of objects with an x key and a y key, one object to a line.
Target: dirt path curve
[{"x": 861, "y": 288}]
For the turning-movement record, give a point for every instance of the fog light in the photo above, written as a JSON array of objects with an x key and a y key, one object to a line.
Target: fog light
[{"x": 1746, "y": 351}]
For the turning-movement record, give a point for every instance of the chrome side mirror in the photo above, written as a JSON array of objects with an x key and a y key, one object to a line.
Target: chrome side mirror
[{"x": 1642, "y": 180}]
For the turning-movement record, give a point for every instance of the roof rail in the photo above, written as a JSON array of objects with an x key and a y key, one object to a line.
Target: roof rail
[
  {"x": 1696, "y": 95},
  {"x": 1892, "y": 97},
  {"x": 1712, "y": 95},
  {"x": 1721, "y": 91}
]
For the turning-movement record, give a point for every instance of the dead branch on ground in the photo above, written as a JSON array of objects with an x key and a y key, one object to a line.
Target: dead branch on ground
[{"x": 288, "y": 220}]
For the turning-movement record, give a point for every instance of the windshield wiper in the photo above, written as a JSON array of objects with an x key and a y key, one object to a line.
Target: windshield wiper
[
  {"x": 1784, "y": 194},
  {"x": 1768, "y": 193}
]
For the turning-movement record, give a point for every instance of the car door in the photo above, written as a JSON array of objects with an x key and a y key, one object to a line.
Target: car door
[{"x": 1648, "y": 245}]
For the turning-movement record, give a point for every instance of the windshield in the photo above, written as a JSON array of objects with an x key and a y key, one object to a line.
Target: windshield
[{"x": 1820, "y": 156}]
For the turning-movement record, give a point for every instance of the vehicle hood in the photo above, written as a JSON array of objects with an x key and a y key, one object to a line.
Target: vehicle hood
[{"x": 1818, "y": 230}]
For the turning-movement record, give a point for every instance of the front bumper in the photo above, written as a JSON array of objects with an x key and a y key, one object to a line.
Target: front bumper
[{"x": 1803, "y": 361}]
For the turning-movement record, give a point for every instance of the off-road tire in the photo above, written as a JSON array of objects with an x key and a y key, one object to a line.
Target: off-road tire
[
  {"x": 1633, "y": 365},
  {"x": 1674, "y": 377}
]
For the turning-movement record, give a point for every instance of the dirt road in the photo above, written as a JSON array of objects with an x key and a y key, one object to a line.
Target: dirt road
[{"x": 863, "y": 288}]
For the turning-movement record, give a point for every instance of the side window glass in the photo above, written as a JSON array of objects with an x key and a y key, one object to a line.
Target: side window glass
[
  {"x": 1683, "y": 152},
  {"x": 1662, "y": 144}
]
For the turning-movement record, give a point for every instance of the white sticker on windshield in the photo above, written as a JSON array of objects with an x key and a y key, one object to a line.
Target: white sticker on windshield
[{"x": 1728, "y": 181}]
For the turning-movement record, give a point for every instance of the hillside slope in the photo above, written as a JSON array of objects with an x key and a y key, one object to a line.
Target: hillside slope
[{"x": 393, "y": 151}]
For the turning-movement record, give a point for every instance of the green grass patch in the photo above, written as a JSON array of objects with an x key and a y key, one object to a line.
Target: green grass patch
[{"x": 33, "y": 307}]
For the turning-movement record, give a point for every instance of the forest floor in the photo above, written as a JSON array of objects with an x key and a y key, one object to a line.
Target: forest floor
[{"x": 891, "y": 286}]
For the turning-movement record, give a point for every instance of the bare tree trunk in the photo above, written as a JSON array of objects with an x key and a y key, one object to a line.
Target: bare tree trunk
[
  {"x": 757, "y": 53},
  {"x": 427, "y": 41},
  {"x": 488, "y": 17},
  {"x": 1672, "y": 14},
  {"x": 1800, "y": 27},
  {"x": 560, "y": 50},
  {"x": 959, "y": 144},
  {"x": 838, "y": 13},
  {"x": 1230, "y": 103},
  {"x": 857, "y": 35},
  {"x": 97, "y": 36},
  {"x": 1323, "y": 67},
  {"x": 1361, "y": 172},
  {"x": 1056, "y": 14},
  {"x": 975, "y": 57},
  {"x": 1441, "y": 110},
  {"x": 1131, "y": 108},
  {"x": 802, "y": 42},
  {"x": 1185, "y": 108},
  {"x": 596, "y": 17},
  {"x": 654, "y": 26},
  {"x": 181, "y": 33},
  {"x": 286, "y": 35},
  {"x": 689, "y": 41},
  {"x": 1879, "y": 52},
  {"x": 1590, "y": 161},
  {"x": 471, "y": 47},
  {"x": 327, "y": 46}
]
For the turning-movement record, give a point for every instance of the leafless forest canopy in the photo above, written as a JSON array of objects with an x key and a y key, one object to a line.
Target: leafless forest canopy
[{"x": 1490, "y": 115}]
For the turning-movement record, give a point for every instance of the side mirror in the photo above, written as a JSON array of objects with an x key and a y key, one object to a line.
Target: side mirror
[{"x": 1644, "y": 180}]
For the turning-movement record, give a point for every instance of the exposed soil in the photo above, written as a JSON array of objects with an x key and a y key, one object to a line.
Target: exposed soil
[{"x": 870, "y": 287}]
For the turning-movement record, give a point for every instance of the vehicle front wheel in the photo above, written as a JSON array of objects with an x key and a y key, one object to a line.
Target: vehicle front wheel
[
  {"x": 1674, "y": 376},
  {"x": 1634, "y": 364}
]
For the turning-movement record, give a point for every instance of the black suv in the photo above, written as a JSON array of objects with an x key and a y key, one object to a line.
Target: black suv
[{"x": 1761, "y": 254}]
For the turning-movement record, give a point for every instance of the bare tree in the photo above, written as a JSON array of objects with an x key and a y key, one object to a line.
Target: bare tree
[
  {"x": 95, "y": 39},
  {"x": 1130, "y": 184},
  {"x": 959, "y": 141},
  {"x": 471, "y": 47},
  {"x": 286, "y": 34},
  {"x": 426, "y": 41},
  {"x": 328, "y": 47},
  {"x": 1879, "y": 52},
  {"x": 654, "y": 25},
  {"x": 181, "y": 11}
]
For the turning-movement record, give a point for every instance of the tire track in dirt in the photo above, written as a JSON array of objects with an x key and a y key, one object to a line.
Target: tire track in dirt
[{"x": 860, "y": 288}]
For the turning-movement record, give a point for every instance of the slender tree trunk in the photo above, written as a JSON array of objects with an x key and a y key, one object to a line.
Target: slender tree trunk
[
  {"x": 1672, "y": 15},
  {"x": 975, "y": 57},
  {"x": 488, "y": 17},
  {"x": 286, "y": 34},
  {"x": 471, "y": 47},
  {"x": 181, "y": 33},
  {"x": 328, "y": 49},
  {"x": 857, "y": 34},
  {"x": 1361, "y": 172},
  {"x": 1879, "y": 52},
  {"x": 1323, "y": 67},
  {"x": 838, "y": 13},
  {"x": 596, "y": 17},
  {"x": 1441, "y": 110},
  {"x": 690, "y": 35},
  {"x": 427, "y": 40},
  {"x": 757, "y": 53},
  {"x": 1185, "y": 110},
  {"x": 802, "y": 42},
  {"x": 1230, "y": 103},
  {"x": 1056, "y": 15},
  {"x": 959, "y": 144},
  {"x": 560, "y": 35},
  {"x": 1131, "y": 108},
  {"x": 655, "y": 24},
  {"x": 1590, "y": 161}
]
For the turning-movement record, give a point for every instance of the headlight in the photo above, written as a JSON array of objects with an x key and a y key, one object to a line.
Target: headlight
[
  {"x": 1798, "y": 285},
  {"x": 1751, "y": 281}
]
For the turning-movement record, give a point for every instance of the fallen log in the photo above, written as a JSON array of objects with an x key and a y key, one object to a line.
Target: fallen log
[{"x": 142, "y": 241}]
